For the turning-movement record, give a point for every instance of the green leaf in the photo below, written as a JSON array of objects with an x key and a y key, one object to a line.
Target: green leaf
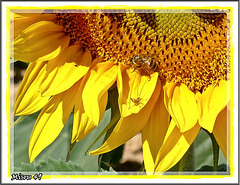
[
  {"x": 59, "y": 148},
  {"x": 50, "y": 165},
  {"x": 203, "y": 151},
  {"x": 19, "y": 120},
  {"x": 111, "y": 171},
  {"x": 222, "y": 168},
  {"x": 21, "y": 135},
  {"x": 27, "y": 167},
  {"x": 90, "y": 162},
  {"x": 109, "y": 128}
]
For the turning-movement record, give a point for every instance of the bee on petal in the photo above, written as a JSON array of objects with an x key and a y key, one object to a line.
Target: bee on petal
[{"x": 148, "y": 64}]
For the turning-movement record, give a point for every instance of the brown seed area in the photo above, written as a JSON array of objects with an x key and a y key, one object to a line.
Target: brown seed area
[{"x": 190, "y": 48}]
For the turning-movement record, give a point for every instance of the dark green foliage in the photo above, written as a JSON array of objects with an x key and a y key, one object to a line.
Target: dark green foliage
[
  {"x": 111, "y": 158},
  {"x": 50, "y": 165},
  {"x": 221, "y": 168}
]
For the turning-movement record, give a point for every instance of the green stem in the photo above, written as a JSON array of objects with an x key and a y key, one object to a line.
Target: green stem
[
  {"x": 69, "y": 151},
  {"x": 215, "y": 152},
  {"x": 142, "y": 169},
  {"x": 187, "y": 161},
  {"x": 19, "y": 120}
]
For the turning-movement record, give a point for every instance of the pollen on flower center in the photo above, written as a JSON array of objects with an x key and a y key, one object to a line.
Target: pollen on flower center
[{"x": 189, "y": 48}]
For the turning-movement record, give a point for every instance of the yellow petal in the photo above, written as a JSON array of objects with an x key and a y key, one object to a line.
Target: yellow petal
[
  {"x": 120, "y": 79},
  {"x": 181, "y": 104},
  {"x": 22, "y": 21},
  {"x": 154, "y": 132},
  {"x": 135, "y": 91},
  {"x": 28, "y": 99},
  {"x": 87, "y": 125},
  {"x": 127, "y": 127},
  {"x": 51, "y": 121},
  {"x": 21, "y": 13},
  {"x": 41, "y": 41},
  {"x": 100, "y": 78},
  {"x": 82, "y": 125},
  {"x": 79, "y": 114},
  {"x": 71, "y": 64},
  {"x": 175, "y": 145},
  {"x": 211, "y": 102},
  {"x": 221, "y": 131}
]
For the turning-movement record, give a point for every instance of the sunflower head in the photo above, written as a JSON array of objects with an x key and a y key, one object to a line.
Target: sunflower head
[
  {"x": 164, "y": 64},
  {"x": 188, "y": 48}
]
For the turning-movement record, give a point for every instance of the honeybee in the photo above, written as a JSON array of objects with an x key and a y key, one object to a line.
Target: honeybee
[{"x": 148, "y": 64}]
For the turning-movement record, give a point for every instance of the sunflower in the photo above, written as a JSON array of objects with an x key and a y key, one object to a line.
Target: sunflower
[{"x": 170, "y": 69}]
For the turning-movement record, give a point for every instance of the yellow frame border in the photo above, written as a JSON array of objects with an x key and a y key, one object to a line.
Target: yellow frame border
[{"x": 9, "y": 8}]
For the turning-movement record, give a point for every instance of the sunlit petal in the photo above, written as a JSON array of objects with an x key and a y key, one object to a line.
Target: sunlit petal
[
  {"x": 22, "y": 21},
  {"x": 51, "y": 121},
  {"x": 181, "y": 104},
  {"x": 136, "y": 91},
  {"x": 28, "y": 99},
  {"x": 86, "y": 125},
  {"x": 100, "y": 79},
  {"x": 154, "y": 132},
  {"x": 81, "y": 122},
  {"x": 127, "y": 127},
  {"x": 121, "y": 71},
  {"x": 41, "y": 41},
  {"x": 174, "y": 146},
  {"x": 221, "y": 130},
  {"x": 211, "y": 103},
  {"x": 71, "y": 64},
  {"x": 82, "y": 125}
]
